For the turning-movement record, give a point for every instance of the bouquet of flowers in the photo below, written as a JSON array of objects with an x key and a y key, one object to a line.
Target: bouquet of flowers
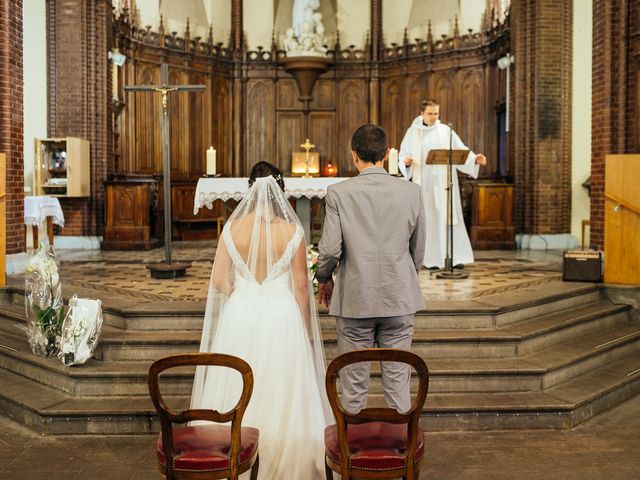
[
  {"x": 43, "y": 302},
  {"x": 312, "y": 265},
  {"x": 80, "y": 330}
]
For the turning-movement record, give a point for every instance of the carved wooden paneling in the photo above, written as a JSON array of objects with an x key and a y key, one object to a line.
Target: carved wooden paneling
[
  {"x": 290, "y": 136},
  {"x": 260, "y": 133},
  {"x": 352, "y": 112},
  {"x": 144, "y": 134},
  {"x": 324, "y": 94},
  {"x": 199, "y": 125},
  {"x": 179, "y": 126},
  {"x": 250, "y": 110},
  {"x": 443, "y": 93},
  {"x": 392, "y": 110},
  {"x": 471, "y": 126},
  {"x": 221, "y": 125},
  {"x": 322, "y": 132},
  {"x": 417, "y": 91},
  {"x": 287, "y": 92}
]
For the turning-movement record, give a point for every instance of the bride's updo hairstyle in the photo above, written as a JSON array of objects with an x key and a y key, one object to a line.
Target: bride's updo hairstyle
[{"x": 264, "y": 169}]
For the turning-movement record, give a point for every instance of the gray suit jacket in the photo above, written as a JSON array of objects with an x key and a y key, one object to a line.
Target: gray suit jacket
[{"x": 374, "y": 228}]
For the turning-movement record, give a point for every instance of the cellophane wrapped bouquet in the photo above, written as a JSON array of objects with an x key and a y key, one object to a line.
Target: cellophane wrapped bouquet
[
  {"x": 43, "y": 302},
  {"x": 80, "y": 331}
]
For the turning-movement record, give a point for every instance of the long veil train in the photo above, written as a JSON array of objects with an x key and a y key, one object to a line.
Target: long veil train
[{"x": 261, "y": 307}]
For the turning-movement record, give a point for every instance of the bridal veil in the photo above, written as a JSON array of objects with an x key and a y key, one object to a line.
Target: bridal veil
[{"x": 262, "y": 252}]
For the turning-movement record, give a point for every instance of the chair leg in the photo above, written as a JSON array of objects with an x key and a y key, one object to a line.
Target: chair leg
[
  {"x": 328, "y": 472},
  {"x": 254, "y": 469}
]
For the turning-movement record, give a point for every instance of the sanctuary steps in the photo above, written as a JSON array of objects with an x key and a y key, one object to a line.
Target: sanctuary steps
[{"x": 550, "y": 358}]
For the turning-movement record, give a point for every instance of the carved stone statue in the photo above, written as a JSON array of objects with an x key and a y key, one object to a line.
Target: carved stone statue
[
  {"x": 291, "y": 45},
  {"x": 303, "y": 12},
  {"x": 306, "y": 35}
]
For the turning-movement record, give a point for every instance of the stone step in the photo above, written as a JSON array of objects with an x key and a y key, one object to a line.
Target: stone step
[
  {"x": 490, "y": 313},
  {"x": 531, "y": 372},
  {"x": 510, "y": 340},
  {"x": 523, "y": 304},
  {"x": 513, "y": 341},
  {"x": 564, "y": 406},
  {"x": 94, "y": 378}
]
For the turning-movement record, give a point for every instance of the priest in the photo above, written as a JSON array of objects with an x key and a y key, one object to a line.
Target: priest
[{"x": 427, "y": 133}]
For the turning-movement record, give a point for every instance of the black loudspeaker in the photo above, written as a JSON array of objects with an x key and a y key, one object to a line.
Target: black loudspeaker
[{"x": 582, "y": 266}]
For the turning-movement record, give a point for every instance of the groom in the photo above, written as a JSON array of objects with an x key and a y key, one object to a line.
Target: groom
[{"x": 375, "y": 229}]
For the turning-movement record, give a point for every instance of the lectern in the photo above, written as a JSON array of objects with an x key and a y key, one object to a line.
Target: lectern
[{"x": 449, "y": 157}]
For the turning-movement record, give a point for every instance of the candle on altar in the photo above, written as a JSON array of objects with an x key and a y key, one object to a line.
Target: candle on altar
[
  {"x": 211, "y": 161},
  {"x": 393, "y": 161}
]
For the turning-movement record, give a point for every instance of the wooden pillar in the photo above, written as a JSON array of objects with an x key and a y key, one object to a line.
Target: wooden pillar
[
  {"x": 375, "y": 55},
  {"x": 238, "y": 87}
]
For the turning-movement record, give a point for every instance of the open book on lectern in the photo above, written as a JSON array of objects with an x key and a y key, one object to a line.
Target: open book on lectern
[{"x": 440, "y": 156}]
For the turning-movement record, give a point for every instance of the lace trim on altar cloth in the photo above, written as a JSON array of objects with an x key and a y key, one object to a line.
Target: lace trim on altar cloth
[
  {"x": 207, "y": 199},
  {"x": 38, "y": 220}
]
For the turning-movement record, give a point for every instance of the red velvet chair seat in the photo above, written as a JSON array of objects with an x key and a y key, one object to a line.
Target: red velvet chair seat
[
  {"x": 373, "y": 445},
  {"x": 206, "y": 447}
]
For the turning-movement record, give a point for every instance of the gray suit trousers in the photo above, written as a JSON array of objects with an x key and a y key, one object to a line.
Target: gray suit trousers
[{"x": 383, "y": 332}]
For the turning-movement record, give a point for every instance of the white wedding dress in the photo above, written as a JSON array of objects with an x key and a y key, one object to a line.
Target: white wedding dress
[{"x": 261, "y": 321}]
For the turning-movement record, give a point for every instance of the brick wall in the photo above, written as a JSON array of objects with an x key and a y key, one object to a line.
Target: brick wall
[
  {"x": 541, "y": 115},
  {"x": 614, "y": 103},
  {"x": 11, "y": 118},
  {"x": 79, "y": 94}
]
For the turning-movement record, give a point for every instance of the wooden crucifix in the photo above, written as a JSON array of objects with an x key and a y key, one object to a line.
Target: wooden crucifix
[{"x": 166, "y": 269}]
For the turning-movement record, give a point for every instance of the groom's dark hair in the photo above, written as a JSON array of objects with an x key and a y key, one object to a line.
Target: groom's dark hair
[{"x": 370, "y": 143}]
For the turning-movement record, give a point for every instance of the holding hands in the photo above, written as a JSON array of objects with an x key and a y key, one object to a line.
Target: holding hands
[
  {"x": 325, "y": 291},
  {"x": 481, "y": 160}
]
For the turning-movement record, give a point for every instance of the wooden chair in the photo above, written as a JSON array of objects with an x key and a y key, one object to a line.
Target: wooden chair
[
  {"x": 373, "y": 443},
  {"x": 205, "y": 451}
]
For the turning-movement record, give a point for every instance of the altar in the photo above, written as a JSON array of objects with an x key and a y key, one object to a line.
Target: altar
[{"x": 210, "y": 189}]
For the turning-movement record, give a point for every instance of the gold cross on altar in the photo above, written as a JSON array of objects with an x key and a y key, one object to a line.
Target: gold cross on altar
[{"x": 307, "y": 145}]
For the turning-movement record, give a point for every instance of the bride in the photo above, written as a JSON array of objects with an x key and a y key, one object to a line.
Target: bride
[{"x": 260, "y": 308}]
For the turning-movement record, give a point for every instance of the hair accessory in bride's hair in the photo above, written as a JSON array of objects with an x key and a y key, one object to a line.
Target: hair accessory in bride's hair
[{"x": 280, "y": 180}]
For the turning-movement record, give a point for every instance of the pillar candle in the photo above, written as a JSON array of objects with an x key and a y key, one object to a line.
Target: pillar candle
[
  {"x": 211, "y": 161},
  {"x": 393, "y": 161}
]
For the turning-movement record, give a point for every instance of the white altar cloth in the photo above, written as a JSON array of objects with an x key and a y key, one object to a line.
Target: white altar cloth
[
  {"x": 38, "y": 208},
  {"x": 211, "y": 189}
]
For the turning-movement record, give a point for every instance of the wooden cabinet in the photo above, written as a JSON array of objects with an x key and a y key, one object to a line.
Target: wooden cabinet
[
  {"x": 129, "y": 223},
  {"x": 492, "y": 219},
  {"x": 62, "y": 167},
  {"x": 622, "y": 219},
  {"x": 186, "y": 225}
]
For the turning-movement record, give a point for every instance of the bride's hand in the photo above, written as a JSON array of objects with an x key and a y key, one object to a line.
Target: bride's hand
[{"x": 325, "y": 291}]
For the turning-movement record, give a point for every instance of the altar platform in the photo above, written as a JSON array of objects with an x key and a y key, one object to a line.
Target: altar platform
[{"x": 511, "y": 347}]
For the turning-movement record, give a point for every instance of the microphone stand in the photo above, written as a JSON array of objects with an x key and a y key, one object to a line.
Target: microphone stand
[{"x": 448, "y": 271}]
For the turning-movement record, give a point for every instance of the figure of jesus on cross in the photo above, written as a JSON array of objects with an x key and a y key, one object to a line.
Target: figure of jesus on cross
[{"x": 166, "y": 269}]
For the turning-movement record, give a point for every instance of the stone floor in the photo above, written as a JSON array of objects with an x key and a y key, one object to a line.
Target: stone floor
[
  {"x": 125, "y": 273},
  {"x": 606, "y": 448}
]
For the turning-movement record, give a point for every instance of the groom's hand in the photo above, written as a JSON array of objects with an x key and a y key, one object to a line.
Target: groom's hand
[{"x": 325, "y": 291}]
